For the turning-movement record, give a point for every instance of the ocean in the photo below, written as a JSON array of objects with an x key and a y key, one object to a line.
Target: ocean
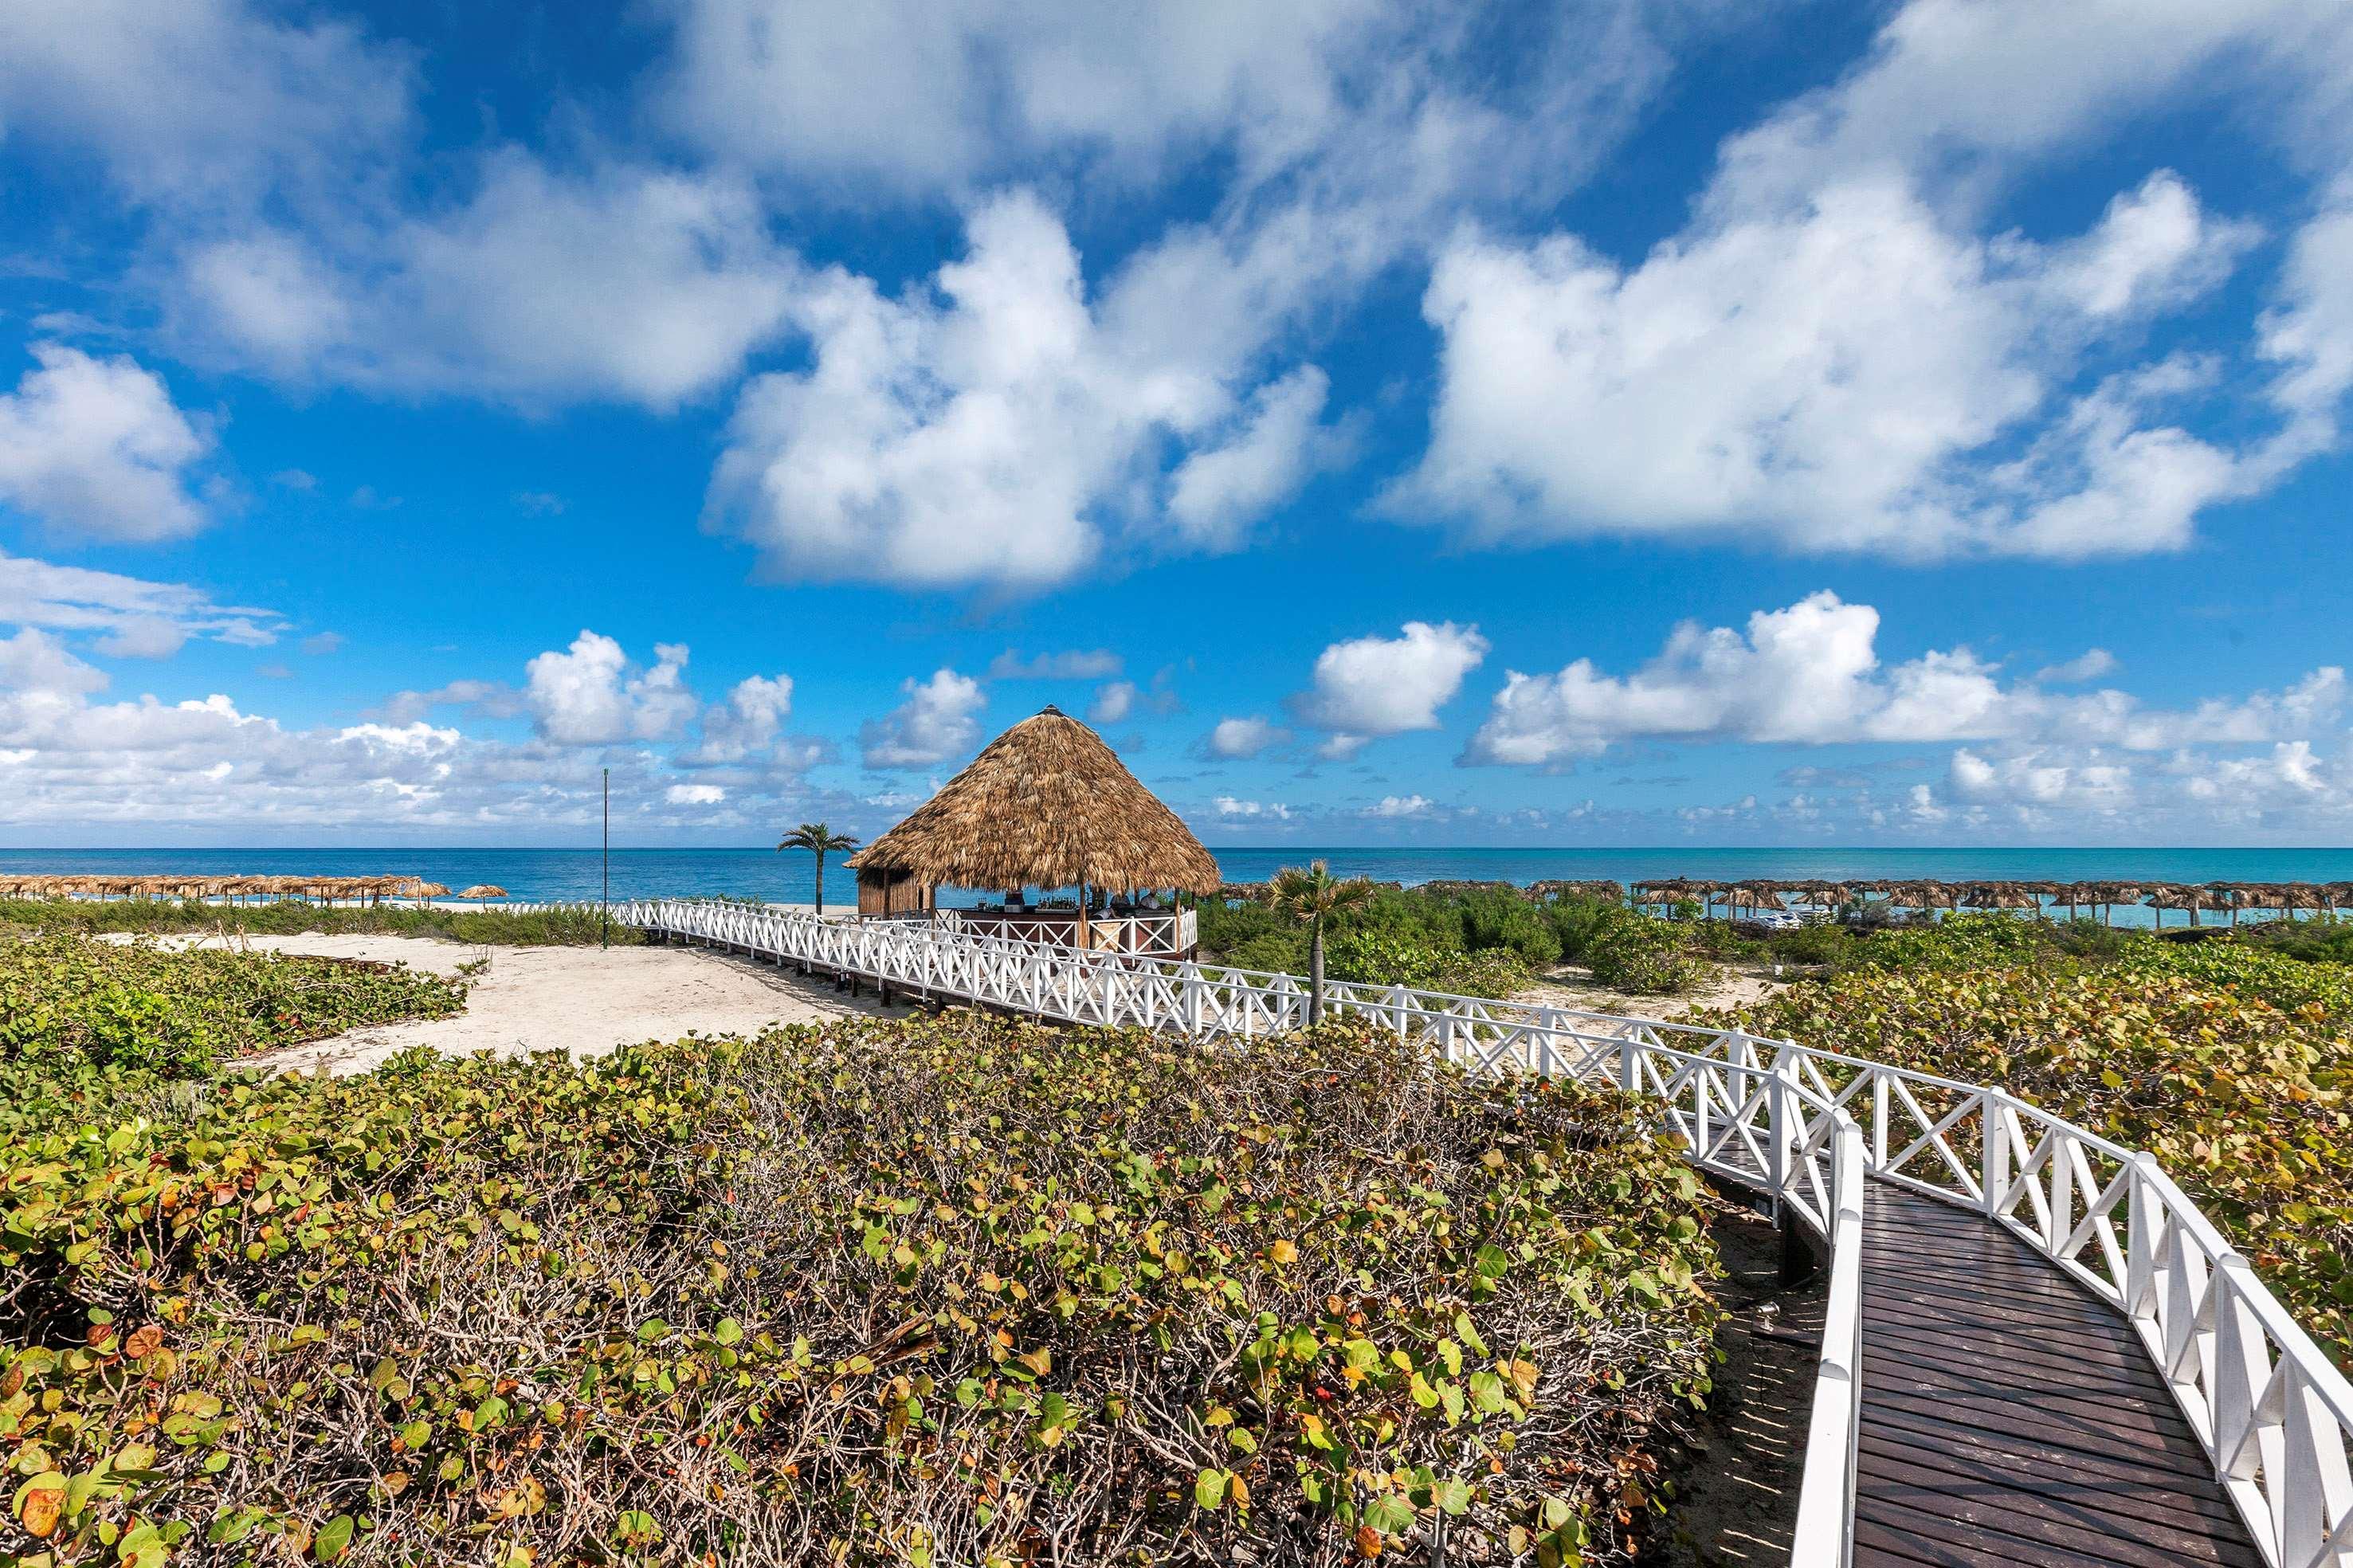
[{"x": 786, "y": 877}]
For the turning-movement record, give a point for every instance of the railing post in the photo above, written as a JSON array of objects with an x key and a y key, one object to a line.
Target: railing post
[
  {"x": 2140, "y": 1241},
  {"x": 1993, "y": 1152}
]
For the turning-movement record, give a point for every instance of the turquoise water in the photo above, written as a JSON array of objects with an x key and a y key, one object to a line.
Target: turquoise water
[{"x": 786, "y": 877}]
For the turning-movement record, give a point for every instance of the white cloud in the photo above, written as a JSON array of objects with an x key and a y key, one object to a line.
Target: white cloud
[
  {"x": 1218, "y": 492},
  {"x": 2309, "y": 332},
  {"x": 1811, "y": 674},
  {"x": 939, "y": 721},
  {"x": 591, "y": 695},
  {"x": 1833, "y": 374},
  {"x": 989, "y": 427},
  {"x": 1230, "y": 808},
  {"x": 1231, "y": 739},
  {"x": 1399, "y": 805},
  {"x": 1078, "y": 664},
  {"x": 2089, "y": 664},
  {"x": 1373, "y": 686},
  {"x": 750, "y": 720},
  {"x": 96, "y": 447},
  {"x": 621, "y": 281},
  {"x": 920, "y": 97},
  {"x": 39, "y": 665},
  {"x": 694, "y": 794},
  {"x": 132, "y": 617},
  {"x": 1114, "y": 700},
  {"x": 202, "y": 104}
]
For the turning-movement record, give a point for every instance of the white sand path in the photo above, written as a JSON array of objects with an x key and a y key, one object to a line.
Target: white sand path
[{"x": 583, "y": 1000}]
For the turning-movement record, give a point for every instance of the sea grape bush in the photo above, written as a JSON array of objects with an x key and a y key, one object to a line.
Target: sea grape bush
[
  {"x": 1641, "y": 954},
  {"x": 955, "y": 1291},
  {"x": 136, "y": 1005},
  {"x": 532, "y": 928},
  {"x": 2230, "y": 1063}
]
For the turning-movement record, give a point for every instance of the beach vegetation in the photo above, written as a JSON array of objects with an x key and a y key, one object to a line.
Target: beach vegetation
[
  {"x": 945, "y": 1291},
  {"x": 570, "y": 926},
  {"x": 68, "y": 999}
]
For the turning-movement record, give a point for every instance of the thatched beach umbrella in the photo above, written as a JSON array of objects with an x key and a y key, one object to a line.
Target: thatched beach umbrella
[
  {"x": 484, "y": 891},
  {"x": 429, "y": 891},
  {"x": 1045, "y": 805},
  {"x": 2164, "y": 896}
]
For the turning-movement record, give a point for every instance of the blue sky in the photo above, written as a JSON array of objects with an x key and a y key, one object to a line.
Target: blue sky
[{"x": 1615, "y": 424}]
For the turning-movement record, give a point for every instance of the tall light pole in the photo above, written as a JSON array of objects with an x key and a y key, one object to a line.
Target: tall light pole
[{"x": 604, "y": 926}]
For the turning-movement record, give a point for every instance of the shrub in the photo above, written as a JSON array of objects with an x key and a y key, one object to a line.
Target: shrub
[
  {"x": 538, "y": 928},
  {"x": 136, "y": 1005},
  {"x": 1272, "y": 953},
  {"x": 1383, "y": 958},
  {"x": 1490, "y": 972},
  {"x": 952, "y": 1292},
  {"x": 1492, "y": 918},
  {"x": 1576, "y": 921},
  {"x": 1641, "y": 954},
  {"x": 1828, "y": 944}
]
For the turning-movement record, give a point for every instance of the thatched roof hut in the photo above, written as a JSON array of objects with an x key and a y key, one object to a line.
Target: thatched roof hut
[
  {"x": 483, "y": 890},
  {"x": 1045, "y": 805}
]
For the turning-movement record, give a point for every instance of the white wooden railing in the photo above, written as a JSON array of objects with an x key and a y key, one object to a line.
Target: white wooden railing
[{"x": 1806, "y": 1126}]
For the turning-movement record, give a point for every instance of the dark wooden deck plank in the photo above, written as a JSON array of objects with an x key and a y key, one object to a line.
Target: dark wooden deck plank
[{"x": 2011, "y": 1418}]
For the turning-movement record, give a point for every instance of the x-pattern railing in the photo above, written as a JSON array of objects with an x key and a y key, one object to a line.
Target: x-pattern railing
[{"x": 1805, "y": 1126}]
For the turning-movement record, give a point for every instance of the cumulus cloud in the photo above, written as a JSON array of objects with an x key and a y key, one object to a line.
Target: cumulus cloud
[
  {"x": 988, "y": 428},
  {"x": 938, "y": 721},
  {"x": 1218, "y": 491},
  {"x": 1811, "y": 674},
  {"x": 590, "y": 694},
  {"x": 1399, "y": 806},
  {"x": 1232, "y": 739},
  {"x": 694, "y": 794},
  {"x": 1833, "y": 372},
  {"x": 96, "y": 447},
  {"x": 750, "y": 720},
  {"x": 1374, "y": 686},
  {"x": 131, "y": 617},
  {"x": 1230, "y": 808}
]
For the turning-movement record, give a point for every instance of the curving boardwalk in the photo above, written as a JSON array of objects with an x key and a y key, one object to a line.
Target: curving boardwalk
[
  {"x": 2036, "y": 1350},
  {"x": 1964, "y": 1461}
]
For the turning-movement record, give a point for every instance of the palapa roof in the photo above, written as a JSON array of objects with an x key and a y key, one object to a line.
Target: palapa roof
[{"x": 1045, "y": 805}]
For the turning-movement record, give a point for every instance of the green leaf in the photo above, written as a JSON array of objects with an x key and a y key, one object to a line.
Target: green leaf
[
  {"x": 1390, "y": 1514},
  {"x": 332, "y": 1538},
  {"x": 652, "y": 1329},
  {"x": 1210, "y": 1489},
  {"x": 728, "y": 1332}
]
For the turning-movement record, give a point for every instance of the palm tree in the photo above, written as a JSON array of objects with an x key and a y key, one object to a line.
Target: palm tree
[
  {"x": 821, "y": 840},
  {"x": 1315, "y": 895}
]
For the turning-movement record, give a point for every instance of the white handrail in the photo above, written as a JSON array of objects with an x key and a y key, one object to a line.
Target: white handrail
[
  {"x": 2273, "y": 1414},
  {"x": 1825, "y": 1528}
]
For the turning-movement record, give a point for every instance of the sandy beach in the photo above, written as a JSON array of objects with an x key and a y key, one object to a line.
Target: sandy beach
[{"x": 583, "y": 1000}]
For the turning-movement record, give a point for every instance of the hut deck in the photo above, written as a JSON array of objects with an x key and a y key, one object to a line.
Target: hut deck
[{"x": 2010, "y": 1417}]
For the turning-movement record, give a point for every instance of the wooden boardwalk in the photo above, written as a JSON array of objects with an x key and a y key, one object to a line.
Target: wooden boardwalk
[{"x": 2010, "y": 1417}]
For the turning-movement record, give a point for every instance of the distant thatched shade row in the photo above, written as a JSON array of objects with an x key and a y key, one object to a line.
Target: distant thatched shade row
[
  {"x": 180, "y": 886},
  {"x": 1045, "y": 805},
  {"x": 1763, "y": 893}
]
